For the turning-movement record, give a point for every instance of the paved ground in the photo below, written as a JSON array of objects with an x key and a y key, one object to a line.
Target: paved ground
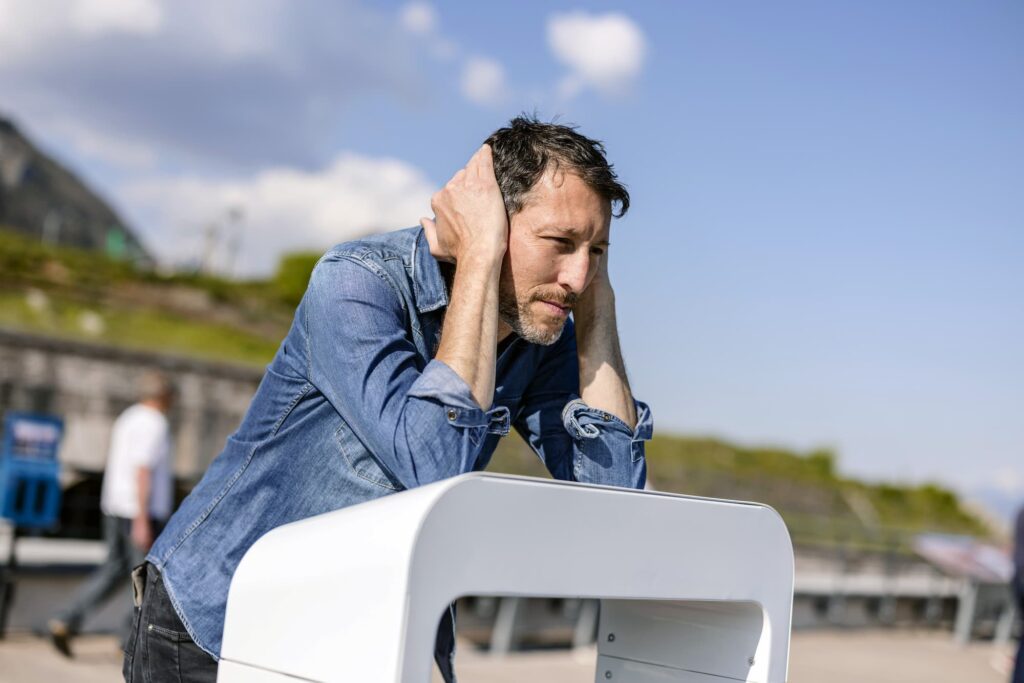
[{"x": 835, "y": 657}]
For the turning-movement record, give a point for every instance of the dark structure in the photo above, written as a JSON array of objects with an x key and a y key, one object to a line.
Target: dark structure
[{"x": 41, "y": 198}]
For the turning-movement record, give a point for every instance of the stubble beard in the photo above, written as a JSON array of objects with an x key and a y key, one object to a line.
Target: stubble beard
[{"x": 516, "y": 313}]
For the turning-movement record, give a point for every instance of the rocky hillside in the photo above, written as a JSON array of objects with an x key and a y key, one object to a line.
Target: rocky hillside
[{"x": 41, "y": 198}]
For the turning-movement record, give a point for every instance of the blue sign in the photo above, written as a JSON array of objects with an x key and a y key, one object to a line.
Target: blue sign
[{"x": 29, "y": 471}]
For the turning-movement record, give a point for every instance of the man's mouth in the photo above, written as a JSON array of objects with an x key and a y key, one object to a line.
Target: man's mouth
[{"x": 559, "y": 310}]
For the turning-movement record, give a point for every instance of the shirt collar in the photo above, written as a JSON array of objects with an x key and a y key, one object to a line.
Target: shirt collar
[{"x": 427, "y": 282}]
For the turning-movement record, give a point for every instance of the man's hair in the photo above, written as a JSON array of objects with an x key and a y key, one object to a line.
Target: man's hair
[{"x": 527, "y": 147}]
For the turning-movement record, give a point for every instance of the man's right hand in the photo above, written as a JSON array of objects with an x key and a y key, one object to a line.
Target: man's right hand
[{"x": 470, "y": 217}]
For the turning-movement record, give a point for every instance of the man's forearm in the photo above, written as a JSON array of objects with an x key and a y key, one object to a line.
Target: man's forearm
[
  {"x": 142, "y": 487},
  {"x": 470, "y": 228},
  {"x": 142, "y": 531},
  {"x": 469, "y": 336},
  {"x": 603, "y": 382}
]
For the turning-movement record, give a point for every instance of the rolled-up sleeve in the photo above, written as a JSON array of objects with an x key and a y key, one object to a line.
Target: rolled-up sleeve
[
  {"x": 578, "y": 442},
  {"x": 420, "y": 422},
  {"x": 606, "y": 450}
]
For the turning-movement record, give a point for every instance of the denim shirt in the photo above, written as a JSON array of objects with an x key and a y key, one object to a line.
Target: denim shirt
[{"x": 354, "y": 407}]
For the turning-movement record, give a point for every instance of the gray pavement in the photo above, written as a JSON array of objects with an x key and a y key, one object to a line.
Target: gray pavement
[{"x": 832, "y": 656}]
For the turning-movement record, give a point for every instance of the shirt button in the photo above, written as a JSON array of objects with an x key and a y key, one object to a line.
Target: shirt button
[{"x": 452, "y": 413}]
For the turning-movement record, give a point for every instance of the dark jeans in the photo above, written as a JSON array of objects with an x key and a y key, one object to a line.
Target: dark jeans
[
  {"x": 109, "y": 578},
  {"x": 159, "y": 649},
  {"x": 444, "y": 646}
]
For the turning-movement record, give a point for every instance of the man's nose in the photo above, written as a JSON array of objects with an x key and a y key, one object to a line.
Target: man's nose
[{"x": 574, "y": 274}]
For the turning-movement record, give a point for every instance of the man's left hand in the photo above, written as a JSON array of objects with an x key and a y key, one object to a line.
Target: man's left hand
[
  {"x": 595, "y": 300},
  {"x": 603, "y": 383}
]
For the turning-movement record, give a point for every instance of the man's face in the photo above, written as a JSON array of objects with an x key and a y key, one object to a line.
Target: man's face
[{"x": 555, "y": 247}]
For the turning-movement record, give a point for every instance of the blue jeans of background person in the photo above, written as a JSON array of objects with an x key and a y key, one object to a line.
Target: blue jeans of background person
[
  {"x": 159, "y": 649},
  {"x": 109, "y": 578}
]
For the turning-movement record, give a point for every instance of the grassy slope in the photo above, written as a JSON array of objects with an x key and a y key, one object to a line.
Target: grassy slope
[
  {"x": 819, "y": 505},
  {"x": 77, "y": 294},
  {"x": 139, "y": 328}
]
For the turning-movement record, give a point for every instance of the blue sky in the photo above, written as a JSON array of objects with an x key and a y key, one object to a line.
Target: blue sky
[{"x": 827, "y": 233}]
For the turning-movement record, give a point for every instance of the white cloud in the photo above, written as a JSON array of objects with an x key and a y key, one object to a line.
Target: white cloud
[
  {"x": 129, "y": 16},
  {"x": 28, "y": 27},
  {"x": 239, "y": 30},
  {"x": 421, "y": 19},
  {"x": 274, "y": 78},
  {"x": 604, "y": 51},
  {"x": 483, "y": 82},
  {"x": 418, "y": 17},
  {"x": 283, "y": 209}
]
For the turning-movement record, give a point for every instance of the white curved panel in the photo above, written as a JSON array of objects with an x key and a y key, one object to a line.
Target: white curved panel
[{"x": 356, "y": 594}]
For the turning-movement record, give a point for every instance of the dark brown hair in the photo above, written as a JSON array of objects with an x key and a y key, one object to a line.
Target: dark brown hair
[{"x": 525, "y": 149}]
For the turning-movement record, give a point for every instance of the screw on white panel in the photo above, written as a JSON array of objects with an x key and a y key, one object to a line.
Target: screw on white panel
[
  {"x": 750, "y": 661},
  {"x": 607, "y": 674},
  {"x": 611, "y": 637}
]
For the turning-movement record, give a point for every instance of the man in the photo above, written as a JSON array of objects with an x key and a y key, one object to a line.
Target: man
[
  {"x": 1018, "y": 584},
  {"x": 410, "y": 355},
  {"x": 136, "y": 499}
]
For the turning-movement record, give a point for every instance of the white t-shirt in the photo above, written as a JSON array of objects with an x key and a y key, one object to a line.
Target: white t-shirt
[{"x": 141, "y": 438}]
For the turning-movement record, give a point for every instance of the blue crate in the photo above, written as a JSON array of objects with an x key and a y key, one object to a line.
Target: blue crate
[{"x": 29, "y": 471}]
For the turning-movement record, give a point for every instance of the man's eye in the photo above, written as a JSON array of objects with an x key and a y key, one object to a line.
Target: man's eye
[
  {"x": 564, "y": 241},
  {"x": 597, "y": 251}
]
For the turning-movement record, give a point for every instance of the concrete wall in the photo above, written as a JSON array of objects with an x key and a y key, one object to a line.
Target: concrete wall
[{"x": 89, "y": 385}]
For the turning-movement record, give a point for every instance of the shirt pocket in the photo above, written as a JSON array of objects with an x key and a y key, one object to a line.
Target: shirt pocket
[{"x": 361, "y": 462}]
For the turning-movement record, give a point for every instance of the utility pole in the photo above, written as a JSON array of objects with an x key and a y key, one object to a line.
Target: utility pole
[
  {"x": 235, "y": 233},
  {"x": 211, "y": 235}
]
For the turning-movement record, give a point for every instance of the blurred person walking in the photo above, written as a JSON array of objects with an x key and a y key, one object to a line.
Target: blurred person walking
[
  {"x": 136, "y": 500},
  {"x": 1018, "y": 585}
]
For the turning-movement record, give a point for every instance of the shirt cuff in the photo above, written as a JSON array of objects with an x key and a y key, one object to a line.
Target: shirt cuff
[
  {"x": 584, "y": 422},
  {"x": 440, "y": 384}
]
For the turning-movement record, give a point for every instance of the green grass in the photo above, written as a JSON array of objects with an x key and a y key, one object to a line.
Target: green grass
[
  {"x": 820, "y": 507},
  {"x": 133, "y": 328},
  {"x": 80, "y": 286}
]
